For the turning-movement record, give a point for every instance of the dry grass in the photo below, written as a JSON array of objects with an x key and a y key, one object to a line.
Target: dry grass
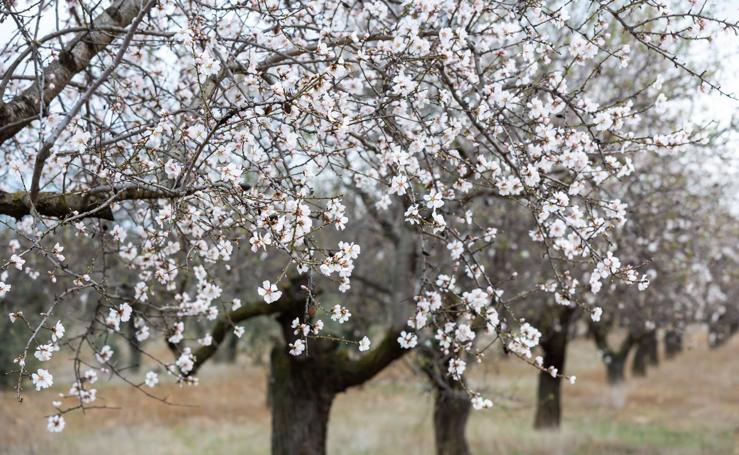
[{"x": 686, "y": 406}]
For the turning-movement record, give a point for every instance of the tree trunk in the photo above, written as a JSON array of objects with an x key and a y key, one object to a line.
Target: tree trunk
[
  {"x": 673, "y": 343},
  {"x": 451, "y": 411},
  {"x": 134, "y": 349},
  {"x": 615, "y": 369},
  {"x": 301, "y": 403},
  {"x": 615, "y": 360},
  {"x": 639, "y": 363},
  {"x": 653, "y": 348},
  {"x": 721, "y": 330},
  {"x": 303, "y": 387},
  {"x": 451, "y": 404},
  {"x": 549, "y": 394},
  {"x": 548, "y": 402},
  {"x": 231, "y": 351}
]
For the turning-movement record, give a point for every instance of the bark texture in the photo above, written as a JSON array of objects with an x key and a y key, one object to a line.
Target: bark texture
[
  {"x": 54, "y": 205},
  {"x": 303, "y": 387},
  {"x": 451, "y": 410},
  {"x": 89, "y": 203},
  {"x": 301, "y": 404},
  {"x": 451, "y": 404}
]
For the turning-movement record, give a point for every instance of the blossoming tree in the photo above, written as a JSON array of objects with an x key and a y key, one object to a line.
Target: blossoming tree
[{"x": 177, "y": 137}]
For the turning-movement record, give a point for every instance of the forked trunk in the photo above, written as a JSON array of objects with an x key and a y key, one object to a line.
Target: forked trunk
[
  {"x": 451, "y": 411},
  {"x": 301, "y": 404},
  {"x": 303, "y": 387}
]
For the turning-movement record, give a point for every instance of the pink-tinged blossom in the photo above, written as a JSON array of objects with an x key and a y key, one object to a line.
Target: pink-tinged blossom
[{"x": 269, "y": 292}]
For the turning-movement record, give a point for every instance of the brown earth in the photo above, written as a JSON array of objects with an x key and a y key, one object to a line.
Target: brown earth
[{"x": 689, "y": 405}]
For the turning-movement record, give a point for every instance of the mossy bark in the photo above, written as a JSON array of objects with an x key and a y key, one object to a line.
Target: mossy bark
[
  {"x": 303, "y": 387},
  {"x": 302, "y": 395}
]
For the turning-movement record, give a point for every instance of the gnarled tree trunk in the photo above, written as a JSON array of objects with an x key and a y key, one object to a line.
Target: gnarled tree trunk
[
  {"x": 303, "y": 387},
  {"x": 301, "y": 404},
  {"x": 548, "y": 397},
  {"x": 451, "y": 407},
  {"x": 451, "y": 411},
  {"x": 451, "y": 404}
]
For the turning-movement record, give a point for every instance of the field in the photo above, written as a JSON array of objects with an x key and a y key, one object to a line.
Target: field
[{"x": 689, "y": 405}]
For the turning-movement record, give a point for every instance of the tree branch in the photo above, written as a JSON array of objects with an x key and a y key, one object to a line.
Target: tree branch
[
  {"x": 76, "y": 56},
  {"x": 351, "y": 373},
  {"x": 92, "y": 203},
  {"x": 55, "y": 205},
  {"x": 224, "y": 324}
]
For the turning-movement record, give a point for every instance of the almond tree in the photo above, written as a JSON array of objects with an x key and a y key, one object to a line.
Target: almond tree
[
  {"x": 682, "y": 230},
  {"x": 172, "y": 134}
]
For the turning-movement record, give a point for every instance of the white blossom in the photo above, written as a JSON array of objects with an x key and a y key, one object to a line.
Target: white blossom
[
  {"x": 42, "y": 379},
  {"x": 151, "y": 379},
  {"x": 364, "y": 344},
  {"x": 269, "y": 292}
]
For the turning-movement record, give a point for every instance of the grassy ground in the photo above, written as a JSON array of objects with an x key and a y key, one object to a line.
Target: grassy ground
[{"x": 686, "y": 406}]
